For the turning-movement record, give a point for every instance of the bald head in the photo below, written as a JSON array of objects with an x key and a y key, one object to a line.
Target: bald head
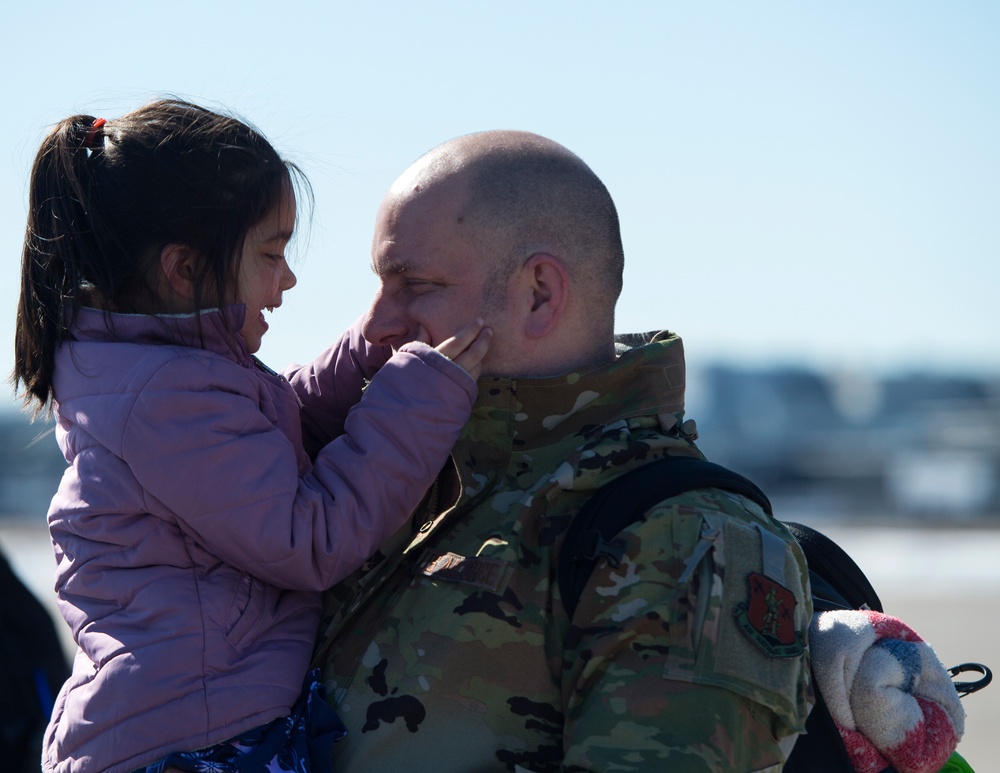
[
  {"x": 525, "y": 194},
  {"x": 508, "y": 226}
]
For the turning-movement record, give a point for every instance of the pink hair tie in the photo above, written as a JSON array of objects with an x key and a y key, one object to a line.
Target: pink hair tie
[{"x": 88, "y": 141}]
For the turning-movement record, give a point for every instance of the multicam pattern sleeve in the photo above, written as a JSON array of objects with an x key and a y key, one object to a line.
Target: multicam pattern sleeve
[{"x": 657, "y": 652}]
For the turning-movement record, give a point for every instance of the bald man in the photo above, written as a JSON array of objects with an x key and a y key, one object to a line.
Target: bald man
[{"x": 453, "y": 649}]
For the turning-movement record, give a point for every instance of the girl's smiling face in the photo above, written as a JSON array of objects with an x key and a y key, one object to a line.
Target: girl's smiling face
[{"x": 264, "y": 273}]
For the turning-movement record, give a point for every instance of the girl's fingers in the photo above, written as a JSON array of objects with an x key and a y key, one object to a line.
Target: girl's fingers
[
  {"x": 472, "y": 358},
  {"x": 468, "y": 346},
  {"x": 458, "y": 343}
]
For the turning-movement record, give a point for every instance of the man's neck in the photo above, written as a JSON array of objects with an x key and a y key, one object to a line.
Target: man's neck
[{"x": 558, "y": 361}]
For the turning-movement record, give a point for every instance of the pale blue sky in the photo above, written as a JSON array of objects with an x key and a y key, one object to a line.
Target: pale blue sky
[{"x": 796, "y": 181}]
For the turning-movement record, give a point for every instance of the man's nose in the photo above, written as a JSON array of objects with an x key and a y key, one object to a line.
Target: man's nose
[{"x": 384, "y": 323}]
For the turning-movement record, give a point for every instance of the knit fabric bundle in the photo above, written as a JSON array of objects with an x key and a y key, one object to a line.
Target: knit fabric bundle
[{"x": 893, "y": 701}]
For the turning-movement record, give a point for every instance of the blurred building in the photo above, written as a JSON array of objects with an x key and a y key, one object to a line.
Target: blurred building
[{"x": 855, "y": 445}]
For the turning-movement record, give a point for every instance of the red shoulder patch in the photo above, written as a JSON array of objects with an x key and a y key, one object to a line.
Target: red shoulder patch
[{"x": 768, "y": 617}]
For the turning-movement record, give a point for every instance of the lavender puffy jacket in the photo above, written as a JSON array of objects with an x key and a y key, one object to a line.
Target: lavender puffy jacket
[{"x": 193, "y": 533}]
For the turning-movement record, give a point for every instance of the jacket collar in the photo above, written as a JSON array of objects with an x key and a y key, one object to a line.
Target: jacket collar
[
  {"x": 212, "y": 329},
  {"x": 647, "y": 378}
]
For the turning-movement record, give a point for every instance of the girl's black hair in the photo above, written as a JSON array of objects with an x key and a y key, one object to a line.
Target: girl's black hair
[{"x": 106, "y": 198}]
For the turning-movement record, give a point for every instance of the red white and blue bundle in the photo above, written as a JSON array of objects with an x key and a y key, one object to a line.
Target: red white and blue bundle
[{"x": 893, "y": 701}]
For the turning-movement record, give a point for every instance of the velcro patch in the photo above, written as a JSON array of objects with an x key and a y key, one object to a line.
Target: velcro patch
[
  {"x": 490, "y": 574},
  {"x": 768, "y": 617}
]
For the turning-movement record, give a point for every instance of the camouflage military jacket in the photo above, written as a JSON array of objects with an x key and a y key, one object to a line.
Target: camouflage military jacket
[{"x": 453, "y": 652}]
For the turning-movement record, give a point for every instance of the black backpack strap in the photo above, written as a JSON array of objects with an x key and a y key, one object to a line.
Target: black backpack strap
[
  {"x": 820, "y": 749},
  {"x": 837, "y": 581},
  {"x": 592, "y": 533}
]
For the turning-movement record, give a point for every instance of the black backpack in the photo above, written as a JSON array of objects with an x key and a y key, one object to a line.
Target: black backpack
[
  {"x": 32, "y": 669},
  {"x": 837, "y": 582}
]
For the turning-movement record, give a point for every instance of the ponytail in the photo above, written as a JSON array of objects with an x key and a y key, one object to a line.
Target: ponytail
[{"x": 59, "y": 254}]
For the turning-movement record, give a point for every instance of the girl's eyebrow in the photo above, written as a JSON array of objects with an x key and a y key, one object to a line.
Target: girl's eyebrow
[{"x": 280, "y": 235}]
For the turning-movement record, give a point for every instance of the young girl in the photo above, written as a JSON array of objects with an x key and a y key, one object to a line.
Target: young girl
[{"x": 192, "y": 530}]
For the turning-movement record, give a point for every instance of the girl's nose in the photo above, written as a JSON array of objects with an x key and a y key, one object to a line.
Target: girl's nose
[{"x": 288, "y": 279}]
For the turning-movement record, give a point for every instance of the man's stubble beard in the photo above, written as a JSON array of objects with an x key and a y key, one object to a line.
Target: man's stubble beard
[{"x": 499, "y": 360}]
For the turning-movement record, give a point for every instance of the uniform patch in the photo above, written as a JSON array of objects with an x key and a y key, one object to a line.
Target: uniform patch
[{"x": 768, "y": 617}]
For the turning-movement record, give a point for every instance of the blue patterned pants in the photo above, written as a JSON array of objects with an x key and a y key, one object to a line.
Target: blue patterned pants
[{"x": 302, "y": 742}]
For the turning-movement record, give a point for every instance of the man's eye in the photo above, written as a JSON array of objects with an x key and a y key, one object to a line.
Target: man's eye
[{"x": 419, "y": 285}]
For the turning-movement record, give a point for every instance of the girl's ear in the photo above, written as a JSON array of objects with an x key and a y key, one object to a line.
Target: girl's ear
[
  {"x": 177, "y": 263},
  {"x": 549, "y": 282}
]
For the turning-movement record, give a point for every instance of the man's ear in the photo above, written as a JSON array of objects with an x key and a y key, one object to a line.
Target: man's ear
[
  {"x": 177, "y": 262},
  {"x": 549, "y": 282}
]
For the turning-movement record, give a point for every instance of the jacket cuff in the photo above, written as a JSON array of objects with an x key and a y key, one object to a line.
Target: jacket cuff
[{"x": 429, "y": 355}]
